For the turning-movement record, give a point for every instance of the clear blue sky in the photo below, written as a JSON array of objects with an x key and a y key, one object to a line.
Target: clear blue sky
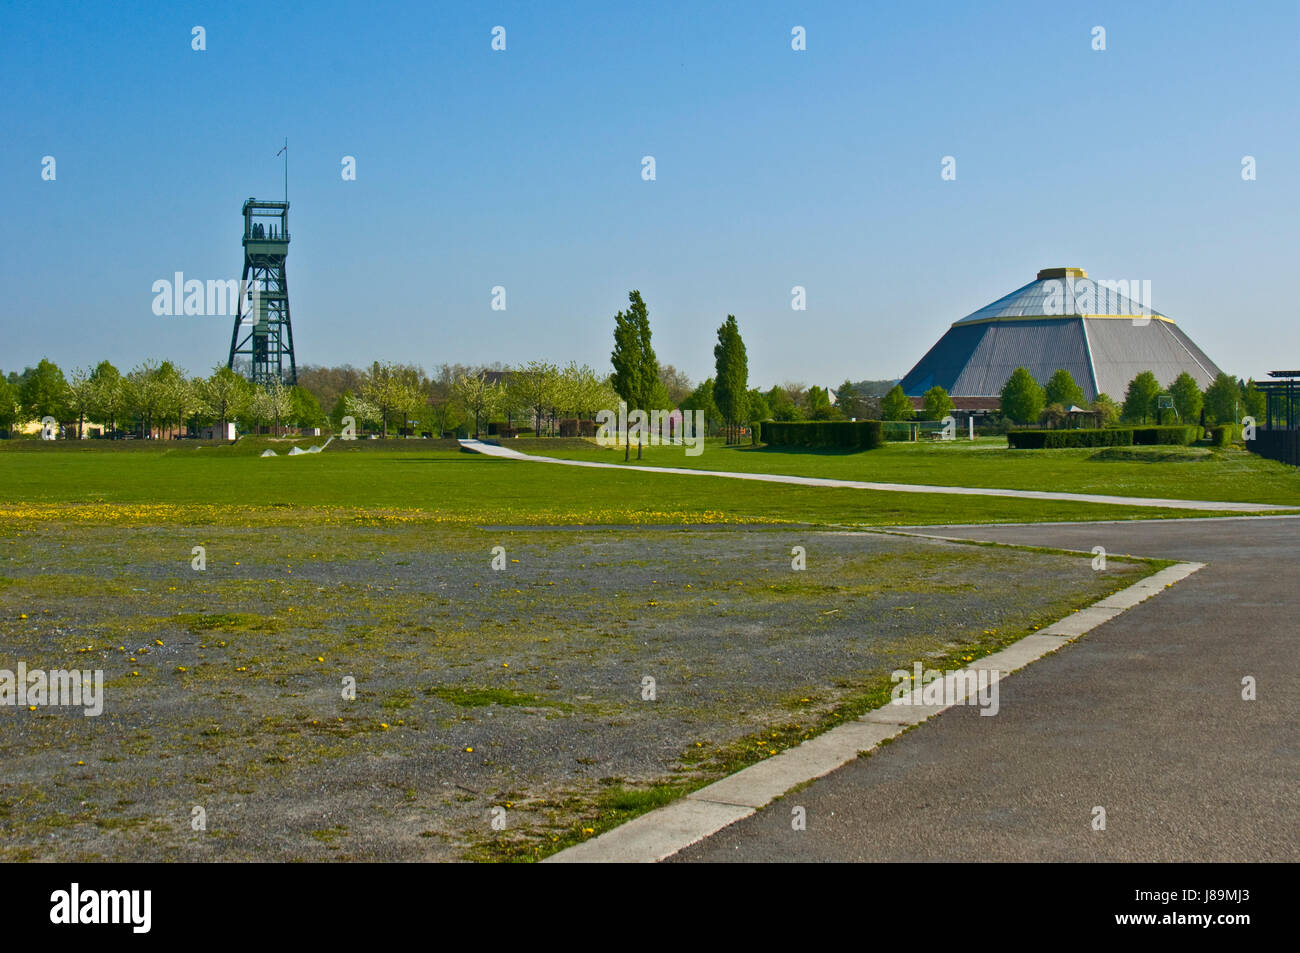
[{"x": 522, "y": 168}]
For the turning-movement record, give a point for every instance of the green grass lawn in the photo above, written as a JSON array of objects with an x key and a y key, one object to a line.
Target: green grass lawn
[
  {"x": 1190, "y": 473},
  {"x": 193, "y": 483}
]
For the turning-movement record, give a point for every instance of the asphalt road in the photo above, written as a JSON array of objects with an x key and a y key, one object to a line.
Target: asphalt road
[{"x": 1143, "y": 716}]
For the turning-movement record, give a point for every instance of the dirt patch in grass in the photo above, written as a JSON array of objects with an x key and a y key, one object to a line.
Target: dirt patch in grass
[{"x": 339, "y": 691}]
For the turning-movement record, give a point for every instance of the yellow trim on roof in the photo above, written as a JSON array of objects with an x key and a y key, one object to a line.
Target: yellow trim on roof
[{"x": 1056, "y": 317}]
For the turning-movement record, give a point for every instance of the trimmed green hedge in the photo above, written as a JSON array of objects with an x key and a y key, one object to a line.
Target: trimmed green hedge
[
  {"x": 1225, "y": 435},
  {"x": 1060, "y": 439},
  {"x": 823, "y": 434},
  {"x": 1181, "y": 435}
]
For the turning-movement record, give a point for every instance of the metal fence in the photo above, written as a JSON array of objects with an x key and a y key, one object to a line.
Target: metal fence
[
  {"x": 1278, "y": 436},
  {"x": 1280, "y": 445}
]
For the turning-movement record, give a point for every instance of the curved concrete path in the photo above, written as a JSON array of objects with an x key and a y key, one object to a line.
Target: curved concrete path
[{"x": 493, "y": 450}]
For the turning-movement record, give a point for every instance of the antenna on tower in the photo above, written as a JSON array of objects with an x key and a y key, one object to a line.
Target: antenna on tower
[{"x": 285, "y": 153}]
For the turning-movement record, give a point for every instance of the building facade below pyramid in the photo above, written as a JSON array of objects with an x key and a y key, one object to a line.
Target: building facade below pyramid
[{"x": 1062, "y": 319}]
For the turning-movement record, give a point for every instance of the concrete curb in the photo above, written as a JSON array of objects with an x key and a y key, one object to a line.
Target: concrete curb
[{"x": 700, "y": 814}]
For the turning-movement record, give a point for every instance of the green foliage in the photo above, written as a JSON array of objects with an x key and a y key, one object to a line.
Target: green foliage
[
  {"x": 1176, "y": 435},
  {"x": 1107, "y": 408},
  {"x": 757, "y": 408},
  {"x": 81, "y": 396},
  {"x": 108, "y": 395},
  {"x": 1061, "y": 439},
  {"x": 782, "y": 405},
  {"x": 1062, "y": 389},
  {"x": 937, "y": 404},
  {"x": 362, "y": 411},
  {"x": 1188, "y": 399},
  {"x": 534, "y": 386},
  {"x": 271, "y": 404},
  {"x": 1225, "y": 435},
  {"x": 179, "y": 401},
  {"x": 395, "y": 390},
  {"x": 636, "y": 369},
  {"x": 144, "y": 393},
  {"x": 226, "y": 395},
  {"x": 1140, "y": 398},
  {"x": 45, "y": 393},
  {"x": 1055, "y": 414},
  {"x": 1222, "y": 400},
  {"x": 8, "y": 404},
  {"x": 896, "y": 405},
  {"x": 1253, "y": 400},
  {"x": 582, "y": 392},
  {"x": 731, "y": 384},
  {"x": 1022, "y": 397},
  {"x": 818, "y": 404},
  {"x": 851, "y": 401},
  {"x": 702, "y": 399},
  {"x": 340, "y": 409},
  {"x": 480, "y": 397},
  {"x": 306, "y": 410},
  {"x": 824, "y": 434}
]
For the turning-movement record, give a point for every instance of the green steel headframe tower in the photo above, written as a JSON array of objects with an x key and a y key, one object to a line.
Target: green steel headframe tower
[{"x": 265, "y": 343}]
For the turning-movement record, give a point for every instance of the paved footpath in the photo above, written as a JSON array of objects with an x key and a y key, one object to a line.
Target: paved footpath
[
  {"x": 493, "y": 450},
  {"x": 1143, "y": 716}
]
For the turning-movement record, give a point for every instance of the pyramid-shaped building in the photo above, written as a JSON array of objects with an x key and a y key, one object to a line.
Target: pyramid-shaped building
[{"x": 1062, "y": 319}]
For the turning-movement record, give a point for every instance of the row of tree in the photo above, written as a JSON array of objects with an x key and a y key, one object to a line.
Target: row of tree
[
  {"x": 162, "y": 398},
  {"x": 455, "y": 397},
  {"x": 151, "y": 398},
  {"x": 725, "y": 399},
  {"x": 538, "y": 391},
  {"x": 459, "y": 398},
  {"x": 1225, "y": 400}
]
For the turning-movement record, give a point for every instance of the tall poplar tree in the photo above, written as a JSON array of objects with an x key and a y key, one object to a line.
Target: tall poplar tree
[
  {"x": 731, "y": 382},
  {"x": 636, "y": 369}
]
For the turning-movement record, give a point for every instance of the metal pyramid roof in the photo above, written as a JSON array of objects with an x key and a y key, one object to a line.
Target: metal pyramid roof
[
  {"x": 1062, "y": 320},
  {"x": 1068, "y": 292}
]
